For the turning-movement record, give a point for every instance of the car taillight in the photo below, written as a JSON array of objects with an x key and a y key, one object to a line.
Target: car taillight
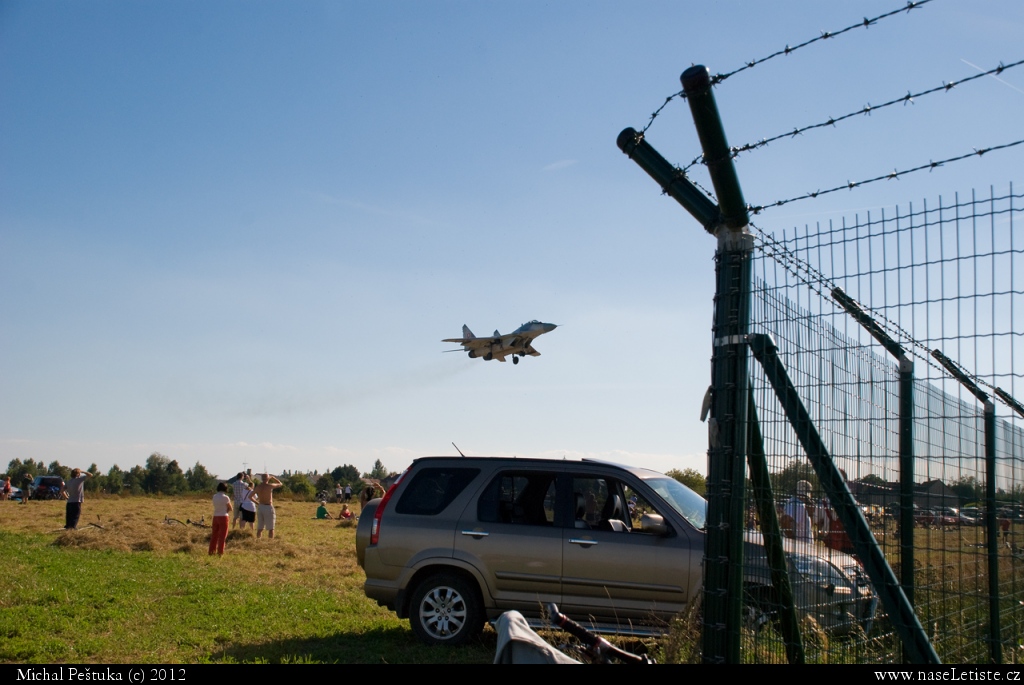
[{"x": 375, "y": 526}]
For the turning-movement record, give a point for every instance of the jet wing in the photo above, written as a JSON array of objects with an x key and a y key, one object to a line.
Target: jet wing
[{"x": 470, "y": 343}]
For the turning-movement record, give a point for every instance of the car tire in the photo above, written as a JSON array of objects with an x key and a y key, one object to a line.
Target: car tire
[{"x": 446, "y": 610}]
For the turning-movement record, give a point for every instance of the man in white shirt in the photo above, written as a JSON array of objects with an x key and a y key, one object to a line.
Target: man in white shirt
[
  {"x": 796, "y": 522},
  {"x": 240, "y": 489}
]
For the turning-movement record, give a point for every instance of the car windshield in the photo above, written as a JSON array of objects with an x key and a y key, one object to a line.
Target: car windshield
[{"x": 688, "y": 503}]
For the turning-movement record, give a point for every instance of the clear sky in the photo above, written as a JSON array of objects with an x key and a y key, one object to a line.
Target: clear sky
[{"x": 236, "y": 232}]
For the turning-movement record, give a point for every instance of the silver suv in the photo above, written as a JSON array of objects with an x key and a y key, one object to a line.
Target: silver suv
[{"x": 457, "y": 541}]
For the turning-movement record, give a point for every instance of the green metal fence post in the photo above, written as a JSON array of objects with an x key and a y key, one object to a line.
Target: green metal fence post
[
  {"x": 771, "y": 534},
  {"x": 995, "y": 638},
  {"x": 906, "y": 441},
  {"x": 672, "y": 180},
  {"x": 906, "y": 434},
  {"x": 723, "y": 557}
]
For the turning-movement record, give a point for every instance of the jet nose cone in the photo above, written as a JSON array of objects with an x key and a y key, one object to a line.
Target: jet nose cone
[{"x": 548, "y": 327}]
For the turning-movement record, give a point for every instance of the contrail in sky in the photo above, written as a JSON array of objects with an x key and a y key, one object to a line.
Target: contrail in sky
[{"x": 1008, "y": 85}]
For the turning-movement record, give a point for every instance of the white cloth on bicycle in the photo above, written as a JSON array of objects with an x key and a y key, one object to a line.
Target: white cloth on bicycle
[{"x": 518, "y": 644}]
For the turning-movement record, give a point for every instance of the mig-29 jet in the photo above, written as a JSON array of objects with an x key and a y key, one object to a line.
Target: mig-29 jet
[{"x": 518, "y": 343}]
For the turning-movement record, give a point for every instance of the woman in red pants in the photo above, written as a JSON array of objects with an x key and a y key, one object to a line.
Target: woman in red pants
[{"x": 221, "y": 513}]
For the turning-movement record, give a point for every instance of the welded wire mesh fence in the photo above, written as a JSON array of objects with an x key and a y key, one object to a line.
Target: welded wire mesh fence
[{"x": 938, "y": 277}]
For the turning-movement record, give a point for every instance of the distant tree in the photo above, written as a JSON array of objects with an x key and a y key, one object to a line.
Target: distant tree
[
  {"x": 378, "y": 472},
  {"x": 17, "y": 470},
  {"x": 56, "y": 469},
  {"x": 346, "y": 475},
  {"x": 176, "y": 481},
  {"x": 873, "y": 479},
  {"x": 691, "y": 478},
  {"x": 199, "y": 479},
  {"x": 135, "y": 480},
  {"x": 156, "y": 473},
  {"x": 300, "y": 486},
  {"x": 1018, "y": 493},
  {"x": 784, "y": 481},
  {"x": 98, "y": 481},
  {"x": 115, "y": 480},
  {"x": 967, "y": 488},
  {"x": 325, "y": 482}
]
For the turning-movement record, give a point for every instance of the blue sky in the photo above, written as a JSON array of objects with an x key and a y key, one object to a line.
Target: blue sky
[{"x": 236, "y": 232}]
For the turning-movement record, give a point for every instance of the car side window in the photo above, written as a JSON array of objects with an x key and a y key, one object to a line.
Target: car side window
[
  {"x": 599, "y": 504},
  {"x": 433, "y": 489},
  {"x": 638, "y": 505},
  {"x": 524, "y": 498}
]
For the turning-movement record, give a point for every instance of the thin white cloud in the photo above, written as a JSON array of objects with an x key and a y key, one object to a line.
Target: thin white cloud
[
  {"x": 560, "y": 164},
  {"x": 403, "y": 215}
]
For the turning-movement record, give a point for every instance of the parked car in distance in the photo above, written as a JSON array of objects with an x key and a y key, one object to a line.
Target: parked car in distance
[
  {"x": 958, "y": 515},
  {"x": 46, "y": 487},
  {"x": 457, "y": 541}
]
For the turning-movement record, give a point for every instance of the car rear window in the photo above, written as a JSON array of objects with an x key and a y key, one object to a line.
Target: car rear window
[{"x": 433, "y": 489}]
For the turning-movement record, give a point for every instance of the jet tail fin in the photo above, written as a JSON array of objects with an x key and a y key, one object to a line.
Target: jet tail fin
[{"x": 466, "y": 333}]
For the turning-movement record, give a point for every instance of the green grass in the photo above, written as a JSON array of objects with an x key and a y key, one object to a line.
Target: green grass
[{"x": 140, "y": 590}]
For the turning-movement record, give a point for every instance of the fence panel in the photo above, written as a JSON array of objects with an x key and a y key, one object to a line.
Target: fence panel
[{"x": 940, "y": 278}]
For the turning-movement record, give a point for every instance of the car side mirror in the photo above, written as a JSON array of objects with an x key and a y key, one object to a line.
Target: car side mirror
[{"x": 654, "y": 524}]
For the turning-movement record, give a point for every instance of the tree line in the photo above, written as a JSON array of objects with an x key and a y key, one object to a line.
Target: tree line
[{"x": 163, "y": 476}]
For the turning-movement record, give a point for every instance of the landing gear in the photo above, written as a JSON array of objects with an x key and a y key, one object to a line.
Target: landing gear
[{"x": 515, "y": 359}]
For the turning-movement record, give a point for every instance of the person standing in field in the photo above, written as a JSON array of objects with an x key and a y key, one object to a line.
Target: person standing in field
[
  {"x": 74, "y": 490},
  {"x": 265, "y": 515},
  {"x": 221, "y": 510},
  {"x": 797, "y": 514},
  {"x": 371, "y": 491},
  {"x": 248, "y": 507},
  {"x": 241, "y": 488}
]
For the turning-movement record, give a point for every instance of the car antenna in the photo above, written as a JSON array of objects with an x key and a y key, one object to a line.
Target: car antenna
[{"x": 458, "y": 450}]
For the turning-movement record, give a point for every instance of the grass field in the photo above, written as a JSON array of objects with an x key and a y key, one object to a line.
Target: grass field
[{"x": 140, "y": 590}]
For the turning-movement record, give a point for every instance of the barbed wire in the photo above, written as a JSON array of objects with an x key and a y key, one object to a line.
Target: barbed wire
[
  {"x": 894, "y": 174},
  {"x": 866, "y": 110},
  {"x": 863, "y": 111},
  {"x": 819, "y": 283},
  {"x": 718, "y": 78}
]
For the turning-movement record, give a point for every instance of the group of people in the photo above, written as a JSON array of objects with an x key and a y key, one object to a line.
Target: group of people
[
  {"x": 344, "y": 515},
  {"x": 342, "y": 494},
  {"x": 253, "y": 503},
  {"x": 73, "y": 491},
  {"x": 804, "y": 519}
]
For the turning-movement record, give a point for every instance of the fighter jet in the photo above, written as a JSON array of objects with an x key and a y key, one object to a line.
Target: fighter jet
[{"x": 518, "y": 343}]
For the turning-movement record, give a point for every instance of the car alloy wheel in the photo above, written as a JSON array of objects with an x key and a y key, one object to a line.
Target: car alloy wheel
[{"x": 445, "y": 610}]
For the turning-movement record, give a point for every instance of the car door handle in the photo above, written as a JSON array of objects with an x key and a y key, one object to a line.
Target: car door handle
[
  {"x": 581, "y": 541},
  {"x": 475, "y": 533}
]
